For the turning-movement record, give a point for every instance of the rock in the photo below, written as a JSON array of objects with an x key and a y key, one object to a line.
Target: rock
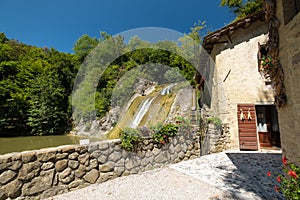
[
  {"x": 81, "y": 149},
  {"x": 96, "y": 154},
  {"x": 103, "y": 177},
  {"x": 15, "y": 165},
  {"x": 60, "y": 156},
  {"x": 181, "y": 155},
  {"x": 7, "y": 176},
  {"x": 3, "y": 196},
  {"x": 148, "y": 154},
  {"x": 61, "y": 165},
  {"x": 188, "y": 154},
  {"x": 102, "y": 159},
  {"x": 13, "y": 189},
  {"x": 119, "y": 170},
  {"x": 171, "y": 149},
  {"x": 145, "y": 162},
  {"x": 129, "y": 164},
  {"x": 190, "y": 147},
  {"x": 115, "y": 156},
  {"x": 46, "y": 155},
  {"x": 66, "y": 176},
  {"x": 83, "y": 158},
  {"x": 178, "y": 148},
  {"x": 93, "y": 165},
  {"x": 73, "y": 156},
  {"x": 39, "y": 184},
  {"x": 103, "y": 145},
  {"x": 107, "y": 167},
  {"x": 68, "y": 149},
  {"x": 91, "y": 176},
  {"x": 80, "y": 172},
  {"x": 68, "y": 179},
  {"x": 193, "y": 157},
  {"x": 75, "y": 184},
  {"x": 120, "y": 163},
  {"x": 93, "y": 147},
  {"x": 28, "y": 156},
  {"x": 73, "y": 164},
  {"x": 29, "y": 171},
  {"x": 160, "y": 158},
  {"x": 156, "y": 151},
  {"x": 47, "y": 165}
]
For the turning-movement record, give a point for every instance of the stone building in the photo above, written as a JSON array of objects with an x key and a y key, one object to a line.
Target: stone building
[
  {"x": 287, "y": 12},
  {"x": 237, "y": 84}
]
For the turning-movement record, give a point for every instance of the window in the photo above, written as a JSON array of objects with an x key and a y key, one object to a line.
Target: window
[
  {"x": 264, "y": 64},
  {"x": 290, "y": 9}
]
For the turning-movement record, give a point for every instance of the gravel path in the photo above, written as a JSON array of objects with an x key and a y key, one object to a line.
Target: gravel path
[{"x": 226, "y": 175}]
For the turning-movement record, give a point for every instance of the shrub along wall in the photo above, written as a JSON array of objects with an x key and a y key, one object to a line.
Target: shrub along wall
[{"x": 52, "y": 171}]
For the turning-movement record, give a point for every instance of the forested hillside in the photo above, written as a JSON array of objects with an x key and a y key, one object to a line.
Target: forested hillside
[
  {"x": 36, "y": 83},
  {"x": 35, "y": 87}
]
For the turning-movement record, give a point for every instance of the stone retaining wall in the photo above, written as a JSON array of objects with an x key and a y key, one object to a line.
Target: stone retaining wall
[
  {"x": 52, "y": 171},
  {"x": 217, "y": 138}
]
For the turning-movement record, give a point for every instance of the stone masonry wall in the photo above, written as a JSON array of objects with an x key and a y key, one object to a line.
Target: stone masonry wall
[
  {"x": 289, "y": 56},
  {"x": 47, "y": 172},
  {"x": 217, "y": 138},
  {"x": 237, "y": 60}
]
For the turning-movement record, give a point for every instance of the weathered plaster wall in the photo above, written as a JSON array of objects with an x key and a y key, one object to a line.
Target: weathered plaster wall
[
  {"x": 289, "y": 55},
  {"x": 244, "y": 84},
  {"x": 52, "y": 171}
]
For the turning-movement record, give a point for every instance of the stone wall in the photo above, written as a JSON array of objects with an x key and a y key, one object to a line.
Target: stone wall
[
  {"x": 217, "y": 138},
  {"x": 52, "y": 171},
  {"x": 289, "y": 56},
  {"x": 236, "y": 78}
]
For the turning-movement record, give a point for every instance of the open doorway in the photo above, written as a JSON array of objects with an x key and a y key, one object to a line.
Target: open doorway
[{"x": 267, "y": 126}]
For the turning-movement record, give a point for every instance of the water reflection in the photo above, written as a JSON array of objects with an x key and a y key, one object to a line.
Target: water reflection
[{"x": 17, "y": 144}]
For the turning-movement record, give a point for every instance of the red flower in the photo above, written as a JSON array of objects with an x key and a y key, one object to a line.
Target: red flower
[
  {"x": 162, "y": 142},
  {"x": 278, "y": 179},
  {"x": 284, "y": 160},
  {"x": 292, "y": 174},
  {"x": 276, "y": 188},
  {"x": 269, "y": 173}
]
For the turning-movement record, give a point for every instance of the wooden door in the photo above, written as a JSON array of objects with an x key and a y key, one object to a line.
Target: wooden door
[{"x": 247, "y": 127}]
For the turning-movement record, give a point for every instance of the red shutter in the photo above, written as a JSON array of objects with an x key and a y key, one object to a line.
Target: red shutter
[{"x": 247, "y": 127}]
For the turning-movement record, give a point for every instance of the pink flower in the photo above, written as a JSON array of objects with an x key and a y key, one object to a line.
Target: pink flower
[
  {"x": 278, "y": 179},
  {"x": 284, "y": 160},
  {"x": 293, "y": 174},
  {"x": 276, "y": 188}
]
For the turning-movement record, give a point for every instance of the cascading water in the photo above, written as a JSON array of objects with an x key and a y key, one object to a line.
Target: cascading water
[
  {"x": 145, "y": 105},
  {"x": 166, "y": 90}
]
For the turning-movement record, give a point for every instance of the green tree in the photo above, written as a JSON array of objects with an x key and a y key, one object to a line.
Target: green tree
[
  {"x": 242, "y": 8},
  {"x": 84, "y": 45}
]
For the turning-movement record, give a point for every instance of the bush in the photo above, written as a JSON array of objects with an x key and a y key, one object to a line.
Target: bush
[
  {"x": 289, "y": 181},
  {"x": 216, "y": 121},
  {"x": 161, "y": 133},
  {"x": 129, "y": 137}
]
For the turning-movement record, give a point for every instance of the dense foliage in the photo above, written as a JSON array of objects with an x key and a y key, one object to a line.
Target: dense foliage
[
  {"x": 36, "y": 84},
  {"x": 242, "y": 8}
]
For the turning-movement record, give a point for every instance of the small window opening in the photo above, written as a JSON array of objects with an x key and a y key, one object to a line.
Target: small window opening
[{"x": 264, "y": 63}]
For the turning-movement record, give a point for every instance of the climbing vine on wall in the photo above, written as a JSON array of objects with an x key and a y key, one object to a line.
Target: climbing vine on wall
[{"x": 276, "y": 74}]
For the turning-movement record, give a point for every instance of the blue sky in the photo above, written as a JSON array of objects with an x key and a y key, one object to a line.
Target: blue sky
[{"x": 59, "y": 23}]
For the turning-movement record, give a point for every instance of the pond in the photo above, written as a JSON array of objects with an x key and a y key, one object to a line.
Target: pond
[{"x": 17, "y": 144}]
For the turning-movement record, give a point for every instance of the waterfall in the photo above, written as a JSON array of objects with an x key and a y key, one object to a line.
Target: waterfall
[
  {"x": 166, "y": 90},
  {"x": 143, "y": 109}
]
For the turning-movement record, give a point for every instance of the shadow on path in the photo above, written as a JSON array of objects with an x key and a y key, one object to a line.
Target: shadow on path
[{"x": 253, "y": 168}]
